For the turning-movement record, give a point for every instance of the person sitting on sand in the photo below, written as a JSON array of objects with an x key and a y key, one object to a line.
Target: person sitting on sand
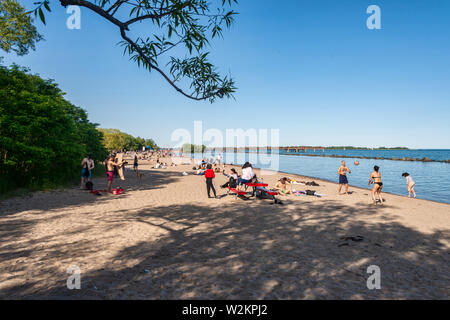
[
  {"x": 375, "y": 178},
  {"x": 342, "y": 171},
  {"x": 232, "y": 179},
  {"x": 247, "y": 174},
  {"x": 283, "y": 186},
  {"x": 409, "y": 184},
  {"x": 233, "y": 174}
]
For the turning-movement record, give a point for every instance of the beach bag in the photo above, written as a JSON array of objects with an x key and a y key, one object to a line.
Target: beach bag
[
  {"x": 310, "y": 192},
  {"x": 232, "y": 183},
  {"x": 89, "y": 185}
]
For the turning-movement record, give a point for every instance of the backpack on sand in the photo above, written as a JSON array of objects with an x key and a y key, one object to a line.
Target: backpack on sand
[{"x": 89, "y": 185}]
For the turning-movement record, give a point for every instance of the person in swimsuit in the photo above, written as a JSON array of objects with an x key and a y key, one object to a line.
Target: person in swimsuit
[
  {"x": 409, "y": 184},
  {"x": 84, "y": 172},
  {"x": 375, "y": 178},
  {"x": 342, "y": 171},
  {"x": 283, "y": 186},
  {"x": 110, "y": 165}
]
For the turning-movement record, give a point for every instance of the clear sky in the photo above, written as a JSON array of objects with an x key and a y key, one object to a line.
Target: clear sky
[{"x": 309, "y": 68}]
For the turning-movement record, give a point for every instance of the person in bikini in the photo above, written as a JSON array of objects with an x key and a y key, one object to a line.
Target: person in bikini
[{"x": 375, "y": 178}]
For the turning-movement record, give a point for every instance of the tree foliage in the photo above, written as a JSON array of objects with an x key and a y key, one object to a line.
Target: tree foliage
[
  {"x": 193, "y": 148},
  {"x": 114, "y": 139},
  {"x": 187, "y": 23},
  {"x": 43, "y": 137},
  {"x": 17, "y": 32}
]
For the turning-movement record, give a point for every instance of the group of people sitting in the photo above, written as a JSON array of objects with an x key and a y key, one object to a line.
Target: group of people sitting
[
  {"x": 163, "y": 165},
  {"x": 238, "y": 182}
]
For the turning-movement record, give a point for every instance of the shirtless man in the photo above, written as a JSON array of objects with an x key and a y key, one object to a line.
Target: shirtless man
[
  {"x": 284, "y": 187},
  {"x": 110, "y": 164},
  {"x": 87, "y": 165},
  {"x": 342, "y": 171}
]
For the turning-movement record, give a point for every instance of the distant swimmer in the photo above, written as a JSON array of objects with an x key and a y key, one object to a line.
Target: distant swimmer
[
  {"x": 356, "y": 163},
  {"x": 375, "y": 178},
  {"x": 342, "y": 171},
  {"x": 409, "y": 184}
]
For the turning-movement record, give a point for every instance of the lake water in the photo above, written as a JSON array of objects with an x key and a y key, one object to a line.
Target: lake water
[{"x": 432, "y": 178}]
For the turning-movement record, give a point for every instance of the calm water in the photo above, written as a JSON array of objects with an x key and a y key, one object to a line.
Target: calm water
[
  {"x": 434, "y": 154},
  {"x": 432, "y": 178}
]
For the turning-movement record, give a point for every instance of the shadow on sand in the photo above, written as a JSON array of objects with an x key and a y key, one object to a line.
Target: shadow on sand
[{"x": 244, "y": 251}]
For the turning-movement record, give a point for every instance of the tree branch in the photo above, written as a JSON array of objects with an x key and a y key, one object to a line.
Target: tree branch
[
  {"x": 138, "y": 50},
  {"x": 97, "y": 9},
  {"x": 157, "y": 16}
]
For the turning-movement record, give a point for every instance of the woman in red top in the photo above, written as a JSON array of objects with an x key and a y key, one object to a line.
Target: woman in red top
[{"x": 209, "y": 175}]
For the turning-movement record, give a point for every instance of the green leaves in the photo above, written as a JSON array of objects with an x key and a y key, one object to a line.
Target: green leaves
[
  {"x": 43, "y": 137},
  {"x": 191, "y": 24},
  {"x": 17, "y": 32},
  {"x": 38, "y": 10},
  {"x": 185, "y": 27},
  {"x": 114, "y": 139},
  {"x": 205, "y": 81}
]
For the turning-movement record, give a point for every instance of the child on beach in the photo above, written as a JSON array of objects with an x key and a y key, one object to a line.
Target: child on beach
[
  {"x": 409, "y": 184},
  {"x": 209, "y": 175}
]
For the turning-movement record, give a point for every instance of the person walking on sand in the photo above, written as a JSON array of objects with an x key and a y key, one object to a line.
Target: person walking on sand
[
  {"x": 342, "y": 171},
  {"x": 409, "y": 184},
  {"x": 375, "y": 178},
  {"x": 135, "y": 163},
  {"x": 209, "y": 176}
]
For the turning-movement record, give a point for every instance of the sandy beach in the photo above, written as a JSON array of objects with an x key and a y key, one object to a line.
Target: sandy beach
[{"x": 164, "y": 239}]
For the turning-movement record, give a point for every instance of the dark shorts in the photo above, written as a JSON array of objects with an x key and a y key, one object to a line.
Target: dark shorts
[
  {"x": 85, "y": 173},
  {"x": 343, "y": 179}
]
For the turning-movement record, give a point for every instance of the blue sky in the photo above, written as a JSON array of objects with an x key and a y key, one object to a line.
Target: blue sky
[{"x": 309, "y": 68}]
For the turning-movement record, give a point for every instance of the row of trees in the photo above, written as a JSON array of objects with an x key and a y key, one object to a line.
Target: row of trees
[
  {"x": 43, "y": 137},
  {"x": 114, "y": 139},
  {"x": 193, "y": 148}
]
